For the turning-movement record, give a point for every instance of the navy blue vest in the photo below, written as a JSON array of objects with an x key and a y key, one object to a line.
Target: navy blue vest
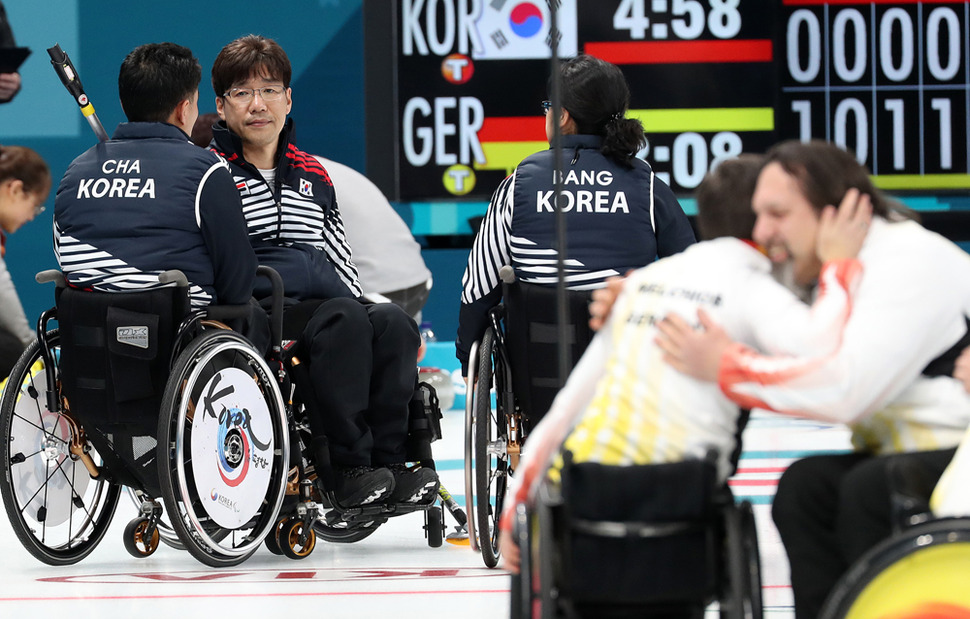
[{"x": 609, "y": 217}]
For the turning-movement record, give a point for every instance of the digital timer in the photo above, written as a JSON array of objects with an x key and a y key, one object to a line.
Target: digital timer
[{"x": 683, "y": 19}]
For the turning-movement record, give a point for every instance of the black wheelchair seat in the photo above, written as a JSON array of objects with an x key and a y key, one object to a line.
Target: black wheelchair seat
[
  {"x": 661, "y": 540},
  {"x": 532, "y": 337},
  {"x": 661, "y": 518},
  {"x": 115, "y": 358}
]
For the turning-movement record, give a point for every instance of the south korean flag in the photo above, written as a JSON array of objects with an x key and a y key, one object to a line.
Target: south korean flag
[
  {"x": 306, "y": 188},
  {"x": 520, "y": 29}
]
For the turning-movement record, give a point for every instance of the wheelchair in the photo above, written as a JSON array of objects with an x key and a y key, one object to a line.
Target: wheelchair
[
  {"x": 327, "y": 518},
  {"x": 919, "y": 571},
  {"x": 135, "y": 390},
  {"x": 517, "y": 358},
  {"x": 592, "y": 548}
]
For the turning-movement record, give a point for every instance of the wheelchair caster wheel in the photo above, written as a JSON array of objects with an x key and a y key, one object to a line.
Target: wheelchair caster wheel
[
  {"x": 296, "y": 539},
  {"x": 434, "y": 526},
  {"x": 272, "y": 541},
  {"x": 137, "y": 543}
]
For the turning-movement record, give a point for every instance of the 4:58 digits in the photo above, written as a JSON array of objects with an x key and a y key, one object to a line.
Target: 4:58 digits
[{"x": 687, "y": 19}]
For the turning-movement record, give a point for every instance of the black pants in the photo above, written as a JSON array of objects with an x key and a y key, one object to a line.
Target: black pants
[
  {"x": 363, "y": 364},
  {"x": 830, "y": 510}
]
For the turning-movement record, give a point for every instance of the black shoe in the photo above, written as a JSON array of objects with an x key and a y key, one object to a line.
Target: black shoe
[
  {"x": 418, "y": 485},
  {"x": 361, "y": 485}
]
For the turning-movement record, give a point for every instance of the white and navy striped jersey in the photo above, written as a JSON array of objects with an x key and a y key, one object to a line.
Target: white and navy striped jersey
[
  {"x": 293, "y": 220},
  {"x": 617, "y": 218},
  {"x": 149, "y": 201}
]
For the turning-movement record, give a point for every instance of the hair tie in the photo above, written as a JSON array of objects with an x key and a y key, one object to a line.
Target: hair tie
[{"x": 615, "y": 118}]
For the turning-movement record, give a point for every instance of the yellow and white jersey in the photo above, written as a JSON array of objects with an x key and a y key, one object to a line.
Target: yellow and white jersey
[{"x": 623, "y": 405}]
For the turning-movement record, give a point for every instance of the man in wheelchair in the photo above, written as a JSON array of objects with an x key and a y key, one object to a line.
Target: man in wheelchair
[
  {"x": 889, "y": 379},
  {"x": 622, "y": 406},
  {"x": 361, "y": 356},
  {"x": 97, "y": 402},
  {"x": 148, "y": 201}
]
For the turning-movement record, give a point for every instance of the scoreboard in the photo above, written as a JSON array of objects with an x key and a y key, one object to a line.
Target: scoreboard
[{"x": 454, "y": 86}]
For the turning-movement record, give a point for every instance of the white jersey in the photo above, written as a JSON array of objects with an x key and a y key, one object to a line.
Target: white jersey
[
  {"x": 624, "y": 405},
  {"x": 911, "y": 307}
]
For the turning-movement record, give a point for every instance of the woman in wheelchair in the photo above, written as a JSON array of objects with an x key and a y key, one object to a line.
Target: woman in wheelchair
[
  {"x": 640, "y": 221},
  {"x": 622, "y": 406}
]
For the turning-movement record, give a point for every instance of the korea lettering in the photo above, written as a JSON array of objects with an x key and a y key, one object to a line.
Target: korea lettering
[{"x": 113, "y": 186}]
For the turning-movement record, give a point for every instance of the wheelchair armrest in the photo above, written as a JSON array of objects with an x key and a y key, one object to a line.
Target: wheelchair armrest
[
  {"x": 174, "y": 276},
  {"x": 507, "y": 274},
  {"x": 225, "y": 313},
  {"x": 51, "y": 275}
]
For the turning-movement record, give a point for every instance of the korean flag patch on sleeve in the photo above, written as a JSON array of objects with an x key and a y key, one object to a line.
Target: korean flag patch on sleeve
[{"x": 306, "y": 188}]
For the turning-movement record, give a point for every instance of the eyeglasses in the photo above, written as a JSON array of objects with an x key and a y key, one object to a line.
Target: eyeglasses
[
  {"x": 546, "y": 106},
  {"x": 245, "y": 96}
]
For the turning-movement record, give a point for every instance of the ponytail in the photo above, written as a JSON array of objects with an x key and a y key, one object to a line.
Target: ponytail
[{"x": 622, "y": 139}]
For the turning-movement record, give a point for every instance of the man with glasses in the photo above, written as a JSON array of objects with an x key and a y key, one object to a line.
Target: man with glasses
[
  {"x": 362, "y": 356},
  {"x": 148, "y": 200}
]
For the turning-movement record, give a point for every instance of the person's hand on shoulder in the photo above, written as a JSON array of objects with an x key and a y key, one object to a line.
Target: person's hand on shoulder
[{"x": 695, "y": 352}]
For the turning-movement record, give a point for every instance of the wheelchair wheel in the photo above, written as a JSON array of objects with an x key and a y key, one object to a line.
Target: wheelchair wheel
[
  {"x": 742, "y": 600},
  {"x": 166, "y": 533},
  {"x": 137, "y": 542},
  {"x": 58, "y": 512},
  {"x": 223, "y": 448},
  {"x": 434, "y": 526},
  {"x": 920, "y": 572},
  {"x": 272, "y": 541},
  {"x": 294, "y": 539},
  {"x": 491, "y": 457}
]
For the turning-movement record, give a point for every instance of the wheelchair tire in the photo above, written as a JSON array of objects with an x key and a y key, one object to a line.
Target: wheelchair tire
[
  {"x": 137, "y": 543},
  {"x": 491, "y": 457},
  {"x": 58, "y": 512},
  {"x": 165, "y": 531},
  {"x": 749, "y": 540},
  {"x": 222, "y": 474},
  {"x": 344, "y": 532},
  {"x": 742, "y": 596},
  {"x": 917, "y": 573},
  {"x": 295, "y": 539},
  {"x": 272, "y": 541},
  {"x": 434, "y": 526}
]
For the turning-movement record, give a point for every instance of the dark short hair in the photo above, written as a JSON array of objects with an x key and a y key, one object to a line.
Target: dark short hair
[
  {"x": 24, "y": 164},
  {"x": 155, "y": 78},
  {"x": 724, "y": 198},
  {"x": 825, "y": 172},
  {"x": 246, "y": 57},
  {"x": 596, "y": 95}
]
